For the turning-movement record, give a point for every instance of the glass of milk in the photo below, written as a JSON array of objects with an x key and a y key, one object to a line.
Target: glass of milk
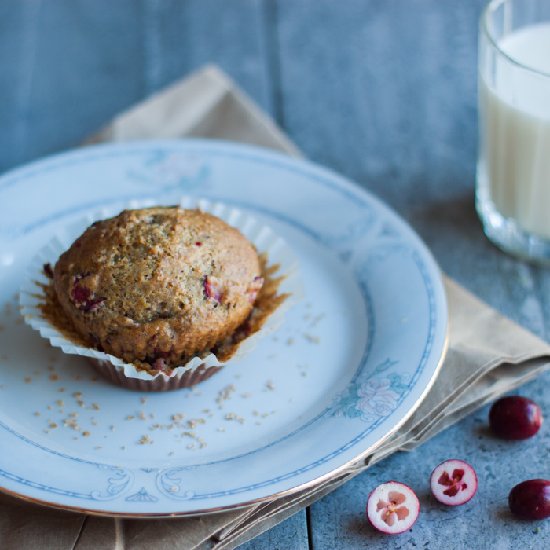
[{"x": 513, "y": 172}]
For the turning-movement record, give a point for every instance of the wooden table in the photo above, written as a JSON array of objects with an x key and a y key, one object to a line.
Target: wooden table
[{"x": 383, "y": 91}]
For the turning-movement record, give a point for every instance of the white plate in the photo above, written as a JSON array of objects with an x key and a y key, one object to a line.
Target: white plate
[{"x": 349, "y": 364}]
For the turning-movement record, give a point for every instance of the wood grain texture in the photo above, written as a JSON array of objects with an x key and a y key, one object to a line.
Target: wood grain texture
[
  {"x": 180, "y": 36},
  {"x": 383, "y": 91},
  {"x": 70, "y": 66},
  {"x": 77, "y": 63}
]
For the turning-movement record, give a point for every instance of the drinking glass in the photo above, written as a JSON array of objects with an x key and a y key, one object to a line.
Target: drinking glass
[{"x": 513, "y": 171}]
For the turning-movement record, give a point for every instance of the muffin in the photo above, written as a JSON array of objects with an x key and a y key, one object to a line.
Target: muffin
[{"x": 158, "y": 286}]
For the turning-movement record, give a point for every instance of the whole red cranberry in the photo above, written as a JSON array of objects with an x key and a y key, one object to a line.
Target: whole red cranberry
[
  {"x": 530, "y": 499},
  {"x": 515, "y": 417}
]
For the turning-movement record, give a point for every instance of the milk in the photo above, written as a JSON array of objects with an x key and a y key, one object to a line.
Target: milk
[{"x": 515, "y": 133}]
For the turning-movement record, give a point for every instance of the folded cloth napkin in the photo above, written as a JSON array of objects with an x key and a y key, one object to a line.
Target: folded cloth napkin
[{"x": 488, "y": 355}]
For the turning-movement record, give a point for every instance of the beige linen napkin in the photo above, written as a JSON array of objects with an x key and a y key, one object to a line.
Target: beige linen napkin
[{"x": 488, "y": 355}]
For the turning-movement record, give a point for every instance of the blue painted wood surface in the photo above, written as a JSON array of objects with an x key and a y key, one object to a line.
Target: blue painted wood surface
[{"x": 383, "y": 91}]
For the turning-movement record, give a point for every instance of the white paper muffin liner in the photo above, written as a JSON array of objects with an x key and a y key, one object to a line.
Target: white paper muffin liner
[{"x": 196, "y": 369}]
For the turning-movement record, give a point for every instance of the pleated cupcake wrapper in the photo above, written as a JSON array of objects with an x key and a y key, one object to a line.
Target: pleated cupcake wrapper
[
  {"x": 190, "y": 375},
  {"x": 196, "y": 369}
]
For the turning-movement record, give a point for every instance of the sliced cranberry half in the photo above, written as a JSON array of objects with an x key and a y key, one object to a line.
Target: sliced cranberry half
[
  {"x": 453, "y": 482},
  {"x": 392, "y": 508}
]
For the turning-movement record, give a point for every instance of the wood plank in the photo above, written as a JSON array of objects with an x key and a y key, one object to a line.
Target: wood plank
[
  {"x": 75, "y": 66},
  {"x": 18, "y": 21},
  {"x": 354, "y": 80},
  {"x": 69, "y": 68},
  {"x": 182, "y": 36}
]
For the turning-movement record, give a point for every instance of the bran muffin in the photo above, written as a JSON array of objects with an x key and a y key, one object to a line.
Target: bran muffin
[{"x": 158, "y": 285}]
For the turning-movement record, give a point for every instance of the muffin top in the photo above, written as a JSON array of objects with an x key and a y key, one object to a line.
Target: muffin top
[{"x": 158, "y": 282}]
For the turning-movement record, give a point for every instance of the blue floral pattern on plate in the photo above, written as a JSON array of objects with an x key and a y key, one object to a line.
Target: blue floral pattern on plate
[
  {"x": 373, "y": 397},
  {"x": 167, "y": 170}
]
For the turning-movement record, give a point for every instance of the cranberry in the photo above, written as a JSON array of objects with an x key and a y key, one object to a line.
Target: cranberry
[
  {"x": 80, "y": 293},
  {"x": 212, "y": 288},
  {"x": 392, "y": 508},
  {"x": 515, "y": 417},
  {"x": 82, "y": 297},
  {"x": 530, "y": 499},
  {"x": 453, "y": 482}
]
